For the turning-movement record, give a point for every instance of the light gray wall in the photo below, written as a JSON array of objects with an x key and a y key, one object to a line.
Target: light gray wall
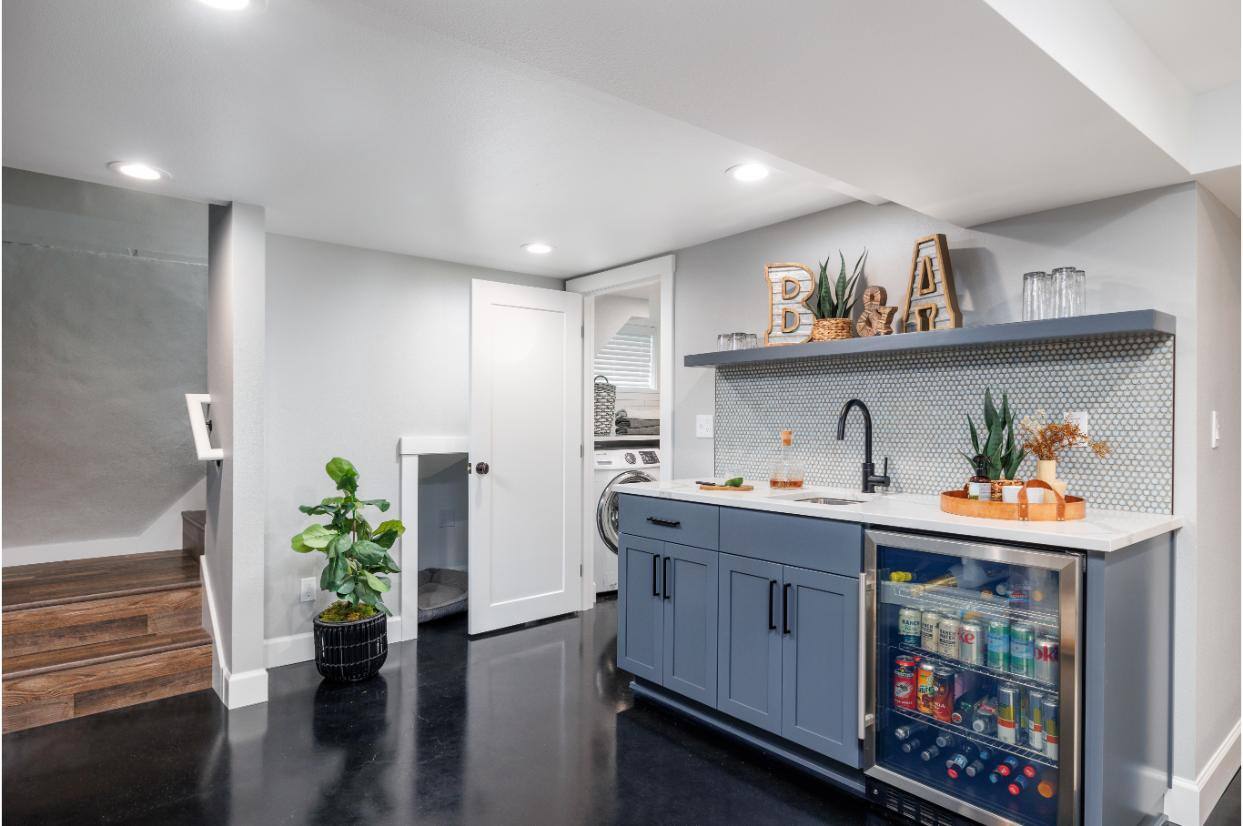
[
  {"x": 105, "y": 329},
  {"x": 364, "y": 347},
  {"x": 1217, "y": 500},
  {"x": 235, "y": 490}
]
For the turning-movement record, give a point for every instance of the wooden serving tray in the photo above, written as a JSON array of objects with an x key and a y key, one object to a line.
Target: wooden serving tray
[{"x": 1059, "y": 510}]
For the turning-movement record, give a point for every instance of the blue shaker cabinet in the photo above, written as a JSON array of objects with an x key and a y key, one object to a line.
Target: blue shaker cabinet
[
  {"x": 749, "y": 641},
  {"x": 640, "y": 607}
]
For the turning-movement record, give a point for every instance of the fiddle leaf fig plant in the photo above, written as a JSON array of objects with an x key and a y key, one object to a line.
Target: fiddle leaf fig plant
[{"x": 357, "y": 553}]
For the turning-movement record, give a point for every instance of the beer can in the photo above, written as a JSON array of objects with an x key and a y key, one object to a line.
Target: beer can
[
  {"x": 1022, "y": 649},
  {"x": 974, "y": 768},
  {"x": 1033, "y": 719},
  {"x": 925, "y": 687},
  {"x": 904, "y": 683},
  {"x": 970, "y": 645},
  {"x": 928, "y": 630},
  {"x": 943, "y": 694},
  {"x": 945, "y": 740},
  {"x": 998, "y": 654},
  {"x": 947, "y": 638},
  {"x": 1046, "y": 659},
  {"x": 910, "y": 626},
  {"x": 1008, "y": 711},
  {"x": 1052, "y": 733}
]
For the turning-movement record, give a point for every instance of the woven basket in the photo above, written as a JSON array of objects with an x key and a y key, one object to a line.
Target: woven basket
[
  {"x": 351, "y": 651},
  {"x": 606, "y": 403},
  {"x": 831, "y": 329}
]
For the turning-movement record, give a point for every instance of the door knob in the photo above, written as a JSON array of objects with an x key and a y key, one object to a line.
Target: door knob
[{"x": 482, "y": 468}]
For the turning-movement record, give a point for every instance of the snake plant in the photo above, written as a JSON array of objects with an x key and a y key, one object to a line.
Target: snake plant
[
  {"x": 837, "y": 300},
  {"x": 1000, "y": 449}
]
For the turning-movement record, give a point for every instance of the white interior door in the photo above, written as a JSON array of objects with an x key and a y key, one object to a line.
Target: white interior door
[{"x": 525, "y": 451}]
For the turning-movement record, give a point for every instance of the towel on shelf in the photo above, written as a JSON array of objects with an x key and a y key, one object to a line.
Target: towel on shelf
[
  {"x": 649, "y": 430},
  {"x": 625, "y": 422}
]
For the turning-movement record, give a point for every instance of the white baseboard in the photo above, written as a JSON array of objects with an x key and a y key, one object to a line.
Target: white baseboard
[
  {"x": 1189, "y": 802},
  {"x": 300, "y": 648}
]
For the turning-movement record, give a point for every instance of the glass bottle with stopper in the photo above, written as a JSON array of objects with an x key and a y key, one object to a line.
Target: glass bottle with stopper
[{"x": 787, "y": 472}]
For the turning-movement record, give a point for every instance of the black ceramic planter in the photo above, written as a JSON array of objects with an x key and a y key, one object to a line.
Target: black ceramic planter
[{"x": 351, "y": 651}]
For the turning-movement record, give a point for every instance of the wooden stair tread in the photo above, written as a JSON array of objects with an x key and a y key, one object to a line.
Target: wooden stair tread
[
  {"x": 62, "y": 659},
  {"x": 57, "y": 583}
]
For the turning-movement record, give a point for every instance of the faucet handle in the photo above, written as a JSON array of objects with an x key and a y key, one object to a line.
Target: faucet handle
[
  {"x": 883, "y": 479},
  {"x": 885, "y": 471}
]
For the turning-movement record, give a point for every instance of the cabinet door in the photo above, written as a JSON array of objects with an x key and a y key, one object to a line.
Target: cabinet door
[
  {"x": 749, "y": 647},
  {"x": 820, "y": 663},
  {"x": 640, "y": 611},
  {"x": 689, "y": 596}
]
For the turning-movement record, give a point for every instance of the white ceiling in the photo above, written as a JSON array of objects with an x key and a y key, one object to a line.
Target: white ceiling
[
  {"x": 1197, "y": 40},
  {"x": 351, "y": 131},
  {"x": 462, "y": 129}
]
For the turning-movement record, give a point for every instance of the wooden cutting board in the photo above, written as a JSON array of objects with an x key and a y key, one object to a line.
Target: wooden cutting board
[{"x": 727, "y": 487}]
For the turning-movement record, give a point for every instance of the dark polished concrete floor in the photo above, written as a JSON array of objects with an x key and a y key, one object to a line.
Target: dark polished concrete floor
[{"x": 532, "y": 726}]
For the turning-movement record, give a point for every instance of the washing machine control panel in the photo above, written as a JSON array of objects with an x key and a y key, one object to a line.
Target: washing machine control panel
[{"x": 624, "y": 458}]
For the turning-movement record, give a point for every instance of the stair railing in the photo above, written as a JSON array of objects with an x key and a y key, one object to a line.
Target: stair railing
[{"x": 200, "y": 427}]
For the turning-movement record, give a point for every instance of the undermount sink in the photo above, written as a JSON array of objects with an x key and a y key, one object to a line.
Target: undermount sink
[{"x": 826, "y": 500}]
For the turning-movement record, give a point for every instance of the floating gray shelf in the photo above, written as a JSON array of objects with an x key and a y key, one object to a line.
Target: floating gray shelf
[{"x": 1084, "y": 326}]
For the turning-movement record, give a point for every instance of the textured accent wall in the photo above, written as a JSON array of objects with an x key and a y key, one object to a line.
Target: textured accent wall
[{"x": 919, "y": 402}]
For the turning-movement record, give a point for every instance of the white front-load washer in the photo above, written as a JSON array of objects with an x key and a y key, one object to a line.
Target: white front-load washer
[{"x": 615, "y": 467}]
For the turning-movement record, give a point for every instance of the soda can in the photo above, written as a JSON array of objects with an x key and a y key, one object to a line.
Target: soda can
[
  {"x": 911, "y": 745},
  {"x": 904, "y": 683},
  {"x": 947, "y": 638},
  {"x": 1018, "y": 784},
  {"x": 943, "y": 694},
  {"x": 1008, "y": 711},
  {"x": 974, "y": 768},
  {"x": 970, "y": 644},
  {"x": 928, "y": 630},
  {"x": 1033, "y": 719},
  {"x": 985, "y": 721},
  {"x": 998, "y": 654},
  {"x": 1022, "y": 649},
  {"x": 944, "y": 740},
  {"x": 925, "y": 687},
  {"x": 910, "y": 626},
  {"x": 1046, "y": 659},
  {"x": 1052, "y": 733}
]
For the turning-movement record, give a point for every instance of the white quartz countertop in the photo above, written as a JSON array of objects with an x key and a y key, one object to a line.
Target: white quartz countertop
[{"x": 1101, "y": 530}]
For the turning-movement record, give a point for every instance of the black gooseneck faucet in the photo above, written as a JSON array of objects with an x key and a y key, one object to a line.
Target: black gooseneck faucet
[{"x": 870, "y": 479}]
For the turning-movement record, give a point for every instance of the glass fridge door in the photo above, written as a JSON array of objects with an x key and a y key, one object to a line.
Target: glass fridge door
[{"x": 973, "y": 702}]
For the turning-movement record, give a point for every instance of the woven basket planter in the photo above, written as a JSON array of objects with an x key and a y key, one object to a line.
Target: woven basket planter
[
  {"x": 831, "y": 329},
  {"x": 351, "y": 651}
]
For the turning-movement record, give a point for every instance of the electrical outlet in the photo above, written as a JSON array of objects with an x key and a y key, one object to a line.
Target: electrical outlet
[
  {"x": 1079, "y": 417},
  {"x": 703, "y": 426},
  {"x": 309, "y": 586}
]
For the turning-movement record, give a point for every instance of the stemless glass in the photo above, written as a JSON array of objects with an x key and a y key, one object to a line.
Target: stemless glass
[
  {"x": 1035, "y": 295},
  {"x": 1068, "y": 291},
  {"x": 725, "y": 341}
]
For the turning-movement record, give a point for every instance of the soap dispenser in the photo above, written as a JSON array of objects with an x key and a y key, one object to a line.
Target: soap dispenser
[{"x": 787, "y": 472}]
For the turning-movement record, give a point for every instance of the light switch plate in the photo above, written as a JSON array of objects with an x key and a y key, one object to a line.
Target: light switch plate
[
  {"x": 308, "y": 588},
  {"x": 703, "y": 426}
]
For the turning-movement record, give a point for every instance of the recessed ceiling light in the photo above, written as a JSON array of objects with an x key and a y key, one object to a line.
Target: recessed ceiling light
[
  {"x": 138, "y": 169},
  {"x": 748, "y": 172},
  {"x": 537, "y": 248},
  {"x": 226, "y": 5}
]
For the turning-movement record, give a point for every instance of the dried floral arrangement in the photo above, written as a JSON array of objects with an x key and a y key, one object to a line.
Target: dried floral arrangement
[{"x": 1049, "y": 440}]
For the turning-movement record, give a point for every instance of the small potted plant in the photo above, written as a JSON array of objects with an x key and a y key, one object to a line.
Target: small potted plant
[
  {"x": 351, "y": 635},
  {"x": 1049, "y": 440},
  {"x": 999, "y": 454},
  {"x": 832, "y": 304}
]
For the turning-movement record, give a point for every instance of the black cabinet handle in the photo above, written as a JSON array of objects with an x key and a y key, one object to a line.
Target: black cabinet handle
[
  {"x": 664, "y": 523},
  {"x": 772, "y": 626},
  {"x": 785, "y": 609},
  {"x": 655, "y": 575},
  {"x": 665, "y": 577}
]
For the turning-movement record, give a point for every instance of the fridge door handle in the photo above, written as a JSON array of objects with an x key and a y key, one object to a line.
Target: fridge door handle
[{"x": 863, "y": 654}]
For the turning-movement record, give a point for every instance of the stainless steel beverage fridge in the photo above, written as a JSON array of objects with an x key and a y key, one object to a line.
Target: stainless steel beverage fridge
[{"x": 973, "y": 678}]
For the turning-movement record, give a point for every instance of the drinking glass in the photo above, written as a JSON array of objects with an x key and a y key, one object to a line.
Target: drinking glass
[
  {"x": 1070, "y": 291},
  {"x": 725, "y": 341},
  {"x": 1037, "y": 295}
]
